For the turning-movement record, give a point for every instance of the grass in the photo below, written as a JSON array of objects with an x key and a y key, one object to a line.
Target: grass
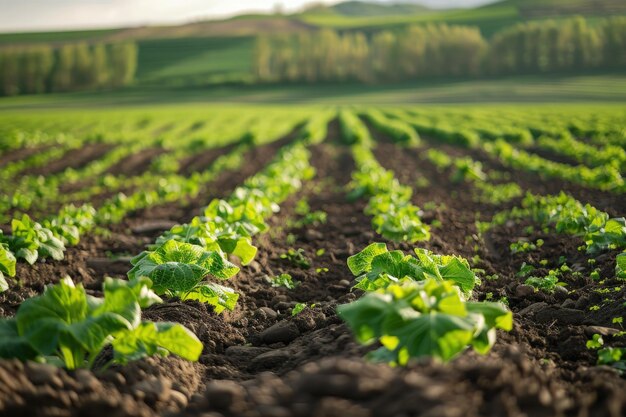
[
  {"x": 46, "y": 37},
  {"x": 194, "y": 61},
  {"x": 579, "y": 89},
  {"x": 489, "y": 19}
]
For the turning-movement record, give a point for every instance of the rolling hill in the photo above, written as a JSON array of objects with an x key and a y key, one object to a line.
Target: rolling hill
[
  {"x": 219, "y": 51},
  {"x": 365, "y": 9}
]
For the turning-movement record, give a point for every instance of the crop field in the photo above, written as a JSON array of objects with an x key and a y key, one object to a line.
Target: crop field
[{"x": 321, "y": 261}]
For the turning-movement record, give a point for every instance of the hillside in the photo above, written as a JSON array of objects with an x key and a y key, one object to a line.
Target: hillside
[
  {"x": 552, "y": 8},
  {"x": 220, "y": 51},
  {"x": 366, "y": 9},
  {"x": 489, "y": 18},
  {"x": 362, "y": 15}
]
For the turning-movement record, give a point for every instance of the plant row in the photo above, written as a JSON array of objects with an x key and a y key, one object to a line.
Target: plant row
[
  {"x": 64, "y": 326},
  {"x": 570, "y": 216},
  {"x": 393, "y": 215}
]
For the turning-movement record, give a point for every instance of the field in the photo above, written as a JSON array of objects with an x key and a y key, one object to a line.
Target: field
[
  {"x": 546, "y": 90},
  {"x": 477, "y": 250},
  {"x": 221, "y": 52}
]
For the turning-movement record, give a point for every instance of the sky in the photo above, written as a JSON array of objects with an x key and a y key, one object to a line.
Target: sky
[{"x": 26, "y": 15}]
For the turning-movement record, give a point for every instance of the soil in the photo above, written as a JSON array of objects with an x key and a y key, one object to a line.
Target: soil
[
  {"x": 135, "y": 164},
  {"x": 200, "y": 161},
  {"x": 75, "y": 158},
  {"x": 14, "y": 155},
  {"x": 553, "y": 156},
  {"x": 259, "y": 360}
]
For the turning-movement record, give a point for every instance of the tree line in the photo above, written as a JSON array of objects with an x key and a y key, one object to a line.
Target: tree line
[
  {"x": 442, "y": 51},
  {"x": 71, "y": 67}
]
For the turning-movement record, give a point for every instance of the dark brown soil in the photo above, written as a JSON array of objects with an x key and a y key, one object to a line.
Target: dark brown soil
[
  {"x": 135, "y": 164},
  {"x": 610, "y": 202},
  {"x": 75, "y": 158},
  {"x": 19, "y": 154},
  {"x": 204, "y": 159},
  {"x": 260, "y": 361},
  {"x": 553, "y": 156}
]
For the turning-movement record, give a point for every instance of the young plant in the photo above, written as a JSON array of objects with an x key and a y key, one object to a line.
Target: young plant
[
  {"x": 620, "y": 266},
  {"x": 570, "y": 216},
  {"x": 306, "y": 216},
  {"x": 376, "y": 268},
  {"x": 233, "y": 239},
  {"x": 178, "y": 269},
  {"x": 615, "y": 357},
  {"x": 29, "y": 240},
  {"x": 283, "y": 280},
  {"x": 596, "y": 342},
  {"x": 466, "y": 169},
  {"x": 67, "y": 327},
  {"x": 298, "y": 308},
  {"x": 549, "y": 282},
  {"x": 393, "y": 214},
  {"x": 7, "y": 266},
  {"x": 297, "y": 258},
  {"x": 424, "y": 319},
  {"x": 523, "y": 246}
]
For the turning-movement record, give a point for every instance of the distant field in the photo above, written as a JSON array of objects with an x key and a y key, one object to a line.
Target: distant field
[
  {"x": 583, "y": 89},
  {"x": 208, "y": 53},
  {"x": 67, "y": 36},
  {"x": 489, "y": 20},
  {"x": 194, "y": 61}
]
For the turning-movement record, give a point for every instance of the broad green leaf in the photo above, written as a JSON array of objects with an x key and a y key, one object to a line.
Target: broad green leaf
[
  {"x": 361, "y": 262},
  {"x": 179, "y": 267},
  {"x": 4, "y": 285},
  {"x": 7, "y": 261},
  {"x": 52, "y": 247},
  {"x": 29, "y": 255},
  {"x": 452, "y": 304},
  {"x": 392, "y": 263},
  {"x": 151, "y": 338},
  {"x": 484, "y": 340},
  {"x": 121, "y": 301},
  {"x": 220, "y": 267},
  {"x": 380, "y": 282},
  {"x": 178, "y": 340},
  {"x": 366, "y": 316},
  {"x": 424, "y": 318},
  {"x": 495, "y": 314},
  {"x": 176, "y": 277},
  {"x": 620, "y": 265},
  {"x": 139, "y": 286},
  {"x": 135, "y": 344},
  {"x": 241, "y": 248},
  {"x": 12, "y": 345},
  {"x": 94, "y": 332},
  {"x": 435, "y": 334},
  {"x": 218, "y": 296},
  {"x": 460, "y": 274},
  {"x": 42, "y": 320}
]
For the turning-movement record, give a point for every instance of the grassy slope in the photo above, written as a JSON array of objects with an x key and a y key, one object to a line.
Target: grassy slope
[
  {"x": 178, "y": 56},
  {"x": 194, "y": 61},
  {"x": 587, "y": 89},
  {"x": 489, "y": 19},
  {"x": 363, "y": 8},
  {"x": 45, "y": 37}
]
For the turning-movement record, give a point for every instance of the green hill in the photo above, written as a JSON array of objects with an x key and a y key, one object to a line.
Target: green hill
[
  {"x": 213, "y": 52},
  {"x": 366, "y": 9},
  {"x": 490, "y": 18}
]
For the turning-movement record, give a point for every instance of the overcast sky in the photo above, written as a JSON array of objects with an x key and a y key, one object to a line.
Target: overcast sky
[{"x": 23, "y": 15}]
